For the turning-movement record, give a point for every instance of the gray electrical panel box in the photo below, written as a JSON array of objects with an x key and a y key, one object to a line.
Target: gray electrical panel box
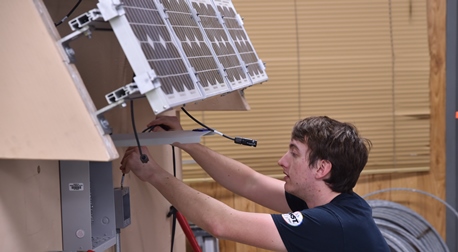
[
  {"x": 87, "y": 200},
  {"x": 122, "y": 207}
]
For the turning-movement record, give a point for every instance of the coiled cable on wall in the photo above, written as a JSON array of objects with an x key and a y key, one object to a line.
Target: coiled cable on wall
[{"x": 404, "y": 229}]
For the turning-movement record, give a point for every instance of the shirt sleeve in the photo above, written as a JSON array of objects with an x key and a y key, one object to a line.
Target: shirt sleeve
[{"x": 295, "y": 203}]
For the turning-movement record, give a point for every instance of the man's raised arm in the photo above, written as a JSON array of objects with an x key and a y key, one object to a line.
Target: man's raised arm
[{"x": 233, "y": 175}]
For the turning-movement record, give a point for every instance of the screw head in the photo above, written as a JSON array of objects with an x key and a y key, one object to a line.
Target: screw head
[{"x": 80, "y": 233}]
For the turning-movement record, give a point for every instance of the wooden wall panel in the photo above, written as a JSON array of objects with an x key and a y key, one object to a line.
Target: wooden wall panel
[
  {"x": 30, "y": 206},
  {"x": 30, "y": 214},
  {"x": 45, "y": 109}
]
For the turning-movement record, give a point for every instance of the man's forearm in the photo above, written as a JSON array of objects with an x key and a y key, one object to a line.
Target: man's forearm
[
  {"x": 199, "y": 208},
  {"x": 239, "y": 178},
  {"x": 215, "y": 217},
  {"x": 228, "y": 172}
]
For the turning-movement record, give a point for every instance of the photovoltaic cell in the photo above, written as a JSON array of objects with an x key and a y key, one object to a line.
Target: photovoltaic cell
[
  {"x": 157, "y": 45},
  {"x": 221, "y": 44},
  {"x": 195, "y": 47},
  {"x": 241, "y": 40}
]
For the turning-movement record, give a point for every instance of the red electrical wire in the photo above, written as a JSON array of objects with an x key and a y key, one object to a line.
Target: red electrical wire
[{"x": 188, "y": 232}]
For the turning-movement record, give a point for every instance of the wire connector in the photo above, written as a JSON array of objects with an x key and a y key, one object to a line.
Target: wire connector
[
  {"x": 144, "y": 158},
  {"x": 245, "y": 141}
]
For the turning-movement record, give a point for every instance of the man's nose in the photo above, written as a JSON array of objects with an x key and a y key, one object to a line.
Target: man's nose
[{"x": 281, "y": 161}]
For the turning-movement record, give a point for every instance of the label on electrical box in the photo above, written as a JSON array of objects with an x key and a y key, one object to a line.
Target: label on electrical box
[{"x": 76, "y": 187}]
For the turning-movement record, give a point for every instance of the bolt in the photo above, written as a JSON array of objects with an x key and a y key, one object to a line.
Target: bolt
[
  {"x": 104, "y": 123},
  {"x": 70, "y": 52}
]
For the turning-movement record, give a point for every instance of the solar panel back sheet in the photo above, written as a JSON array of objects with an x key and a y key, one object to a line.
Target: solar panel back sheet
[{"x": 184, "y": 50}]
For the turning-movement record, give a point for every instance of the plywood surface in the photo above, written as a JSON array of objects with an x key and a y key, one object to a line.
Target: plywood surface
[
  {"x": 45, "y": 109},
  {"x": 30, "y": 206}
]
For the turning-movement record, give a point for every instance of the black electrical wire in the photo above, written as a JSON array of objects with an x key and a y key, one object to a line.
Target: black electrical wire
[
  {"x": 205, "y": 126},
  {"x": 237, "y": 140},
  {"x": 149, "y": 129},
  {"x": 174, "y": 162},
  {"x": 69, "y": 13},
  {"x": 173, "y": 210},
  {"x": 143, "y": 157},
  {"x": 173, "y": 213}
]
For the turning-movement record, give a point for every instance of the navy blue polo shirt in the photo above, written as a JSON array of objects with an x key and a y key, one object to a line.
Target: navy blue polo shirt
[{"x": 344, "y": 224}]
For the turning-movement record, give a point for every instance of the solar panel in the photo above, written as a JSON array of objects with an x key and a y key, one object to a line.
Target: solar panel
[
  {"x": 212, "y": 25},
  {"x": 181, "y": 50},
  {"x": 234, "y": 24},
  {"x": 148, "y": 44},
  {"x": 194, "y": 46}
]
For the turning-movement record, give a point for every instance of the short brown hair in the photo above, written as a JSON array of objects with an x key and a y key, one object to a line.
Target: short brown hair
[{"x": 337, "y": 142}]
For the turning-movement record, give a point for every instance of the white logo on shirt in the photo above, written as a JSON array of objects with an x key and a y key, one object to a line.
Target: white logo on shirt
[{"x": 293, "y": 219}]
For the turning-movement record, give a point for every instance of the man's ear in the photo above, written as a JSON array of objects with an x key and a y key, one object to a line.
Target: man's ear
[{"x": 324, "y": 169}]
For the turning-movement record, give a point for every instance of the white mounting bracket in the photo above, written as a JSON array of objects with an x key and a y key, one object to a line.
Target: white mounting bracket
[
  {"x": 147, "y": 81},
  {"x": 239, "y": 20},
  {"x": 195, "y": 15},
  {"x": 65, "y": 41},
  {"x": 223, "y": 73},
  {"x": 261, "y": 65},
  {"x": 85, "y": 19},
  {"x": 80, "y": 25},
  {"x": 110, "y": 9},
  {"x": 220, "y": 18},
  {"x": 162, "y": 10},
  {"x": 122, "y": 93}
]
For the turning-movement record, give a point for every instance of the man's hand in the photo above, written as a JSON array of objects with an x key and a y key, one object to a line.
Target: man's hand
[
  {"x": 131, "y": 161},
  {"x": 161, "y": 122}
]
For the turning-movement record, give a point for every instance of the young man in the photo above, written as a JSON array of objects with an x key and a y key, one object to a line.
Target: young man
[{"x": 321, "y": 211}]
